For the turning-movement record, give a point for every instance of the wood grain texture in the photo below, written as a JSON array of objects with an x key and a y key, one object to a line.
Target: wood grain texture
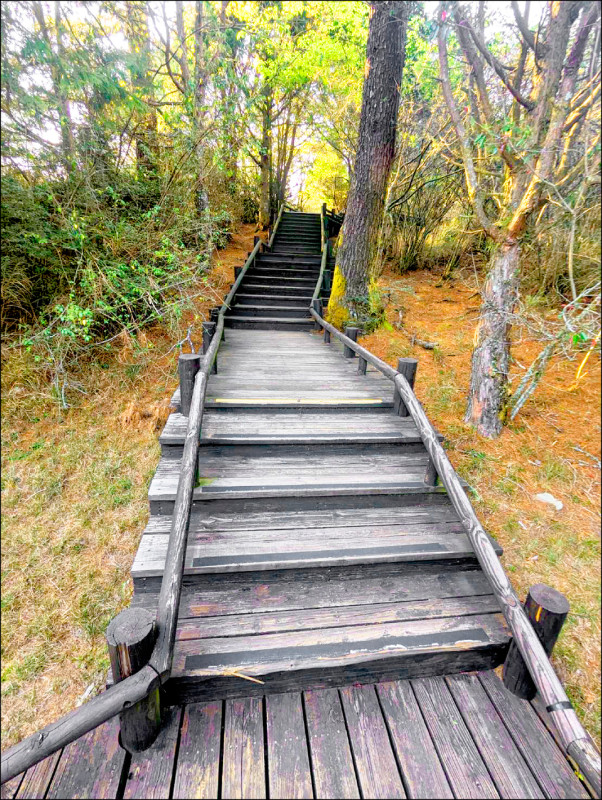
[
  {"x": 372, "y": 753},
  {"x": 243, "y": 770},
  {"x": 331, "y": 759},
  {"x": 150, "y": 773},
  {"x": 506, "y": 765},
  {"x": 466, "y": 771},
  {"x": 289, "y": 772},
  {"x": 546, "y": 761},
  {"x": 37, "y": 779},
  {"x": 423, "y": 774},
  {"x": 90, "y": 767},
  {"x": 198, "y": 759}
]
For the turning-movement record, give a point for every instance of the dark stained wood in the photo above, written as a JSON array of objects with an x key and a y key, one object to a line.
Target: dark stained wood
[
  {"x": 37, "y": 779},
  {"x": 406, "y": 367},
  {"x": 130, "y": 638},
  {"x": 150, "y": 773},
  {"x": 289, "y": 774},
  {"x": 209, "y": 333},
  {"x": 243, "y": 762},
  {"x": 352, "y": 334},
  {"x": 374, "y": 759},
  {"x": 188, "y": 366},
  {"x": 198, "y": 760},
  {"x": 331, "y": 760},
  {"x": 464, "y": 766},
  {"x": 547, "y": 610},
  {"x": 545, "y": 760},
  {"x": 90, "y": 767},
  {"x": 423, "y": 774},
  {"x": 506, "y": 765},
  {"x": 9, "y": 789}
]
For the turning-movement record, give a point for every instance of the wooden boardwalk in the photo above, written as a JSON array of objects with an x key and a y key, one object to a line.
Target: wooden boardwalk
[
  {"x": 460, "y": 736},
  {"x": 336, "y": 634}
]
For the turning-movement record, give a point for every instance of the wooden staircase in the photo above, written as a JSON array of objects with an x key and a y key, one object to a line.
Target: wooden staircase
[
  {"x": 317, "y": 555},
  {"x": 276, "y": 292}
]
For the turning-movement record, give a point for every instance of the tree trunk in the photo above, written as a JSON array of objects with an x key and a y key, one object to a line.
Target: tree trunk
[
  {"x": 358, "y": 248},
  {"x": 265, "y": 159},
  {"x": 491, "y": 354},
  {"x": 146, "y": 128}
]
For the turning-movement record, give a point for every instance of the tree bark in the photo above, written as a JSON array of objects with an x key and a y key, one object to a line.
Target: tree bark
[
  {"x": 358, "y": 248},
  {"x": 265, "y": 158},
  {"x": 146, "y": 128},
  {"x": 491, "y": 354}
]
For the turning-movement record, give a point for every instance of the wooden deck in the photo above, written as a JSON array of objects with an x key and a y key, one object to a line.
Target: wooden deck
[{"x": 459, "y": 736}]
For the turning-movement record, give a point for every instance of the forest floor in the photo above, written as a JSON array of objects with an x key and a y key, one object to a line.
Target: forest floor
[{"x": 75, "y": 489}]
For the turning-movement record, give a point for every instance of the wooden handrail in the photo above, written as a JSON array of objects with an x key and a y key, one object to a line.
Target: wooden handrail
[
  {"x": 271, "y": 241},
  {"x": 574, "y": 737},
  {"x": 131, "y": 690}
]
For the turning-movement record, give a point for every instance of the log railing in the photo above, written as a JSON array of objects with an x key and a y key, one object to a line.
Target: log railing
[
  {"x": 575, "y": 739},
  {"x": 125, "y": 694}
]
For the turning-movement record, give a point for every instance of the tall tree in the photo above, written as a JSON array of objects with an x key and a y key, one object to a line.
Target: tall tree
[
  {"x": 528, "y": 165},
  {"x": 359, "y": 241}
]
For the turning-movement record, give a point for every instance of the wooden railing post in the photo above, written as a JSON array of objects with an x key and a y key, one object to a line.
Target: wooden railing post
[
  {"x": 547, "y": 610},
  {"x": 361, "y": 365},
  {"x": 130, "y": 639},
  {"x": 351, "y": 333},
  {"x": 237, "y": 271},
  {"x": 208, "y": 334},
  {"x": 326, "y": 336},
  {"x": 407, "y": 367},
  {"x": 188, "y": 366},
  {"x": 214, "y": 317},
  {"x": 430, "y": 476}
]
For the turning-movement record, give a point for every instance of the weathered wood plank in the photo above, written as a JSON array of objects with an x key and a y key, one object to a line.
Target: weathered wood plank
[
  {"x": 547, "y": 763},
  {"x": 91, "y": 766},
  {"x": 464, "y": 766},
  {"x": 506, "y": 766},
  {"x": 325, "y": 590},
  {"x": 288, "y": 760},
  {"x": 215, "y": 557},
  {"x": 9, "y": 788},
  {"x": 423, "y": 774},
  {"x": 259, "y": 623},
  {"x": 368, "y": 518},
  {"x": 198, "y": 759},
  {"x": 150, "y": 773},
  {"x": 331, "y": 760},
  {"x": 374, "y": 759},
  {"x": 37, "y": 779},
  {"x": 243, "y": 768}
]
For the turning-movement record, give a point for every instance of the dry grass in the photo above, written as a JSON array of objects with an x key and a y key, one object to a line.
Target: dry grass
[
  {"x": 74, "y": 506},
  {"x": 535, "y": 454}
]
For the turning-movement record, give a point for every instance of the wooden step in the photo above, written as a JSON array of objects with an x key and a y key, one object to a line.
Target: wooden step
[
  {"x": 297, "y": 549},
  {"x": 243, "y": 299},
  {"x": 264, "y": 311},
  {"x": 282, "y": 476},
  {"x": 282, "y": 289},
  {"x": 272, "y": 258},
  {"x": 246, "y": 427},
  {"x": 308, "y": 273},
  {"x": 270, "y": 323},
  {"x": 330, "y": 626}
]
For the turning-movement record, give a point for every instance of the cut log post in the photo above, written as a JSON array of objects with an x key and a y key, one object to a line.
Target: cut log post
[
  {"x": 407, "y": 367},
  {"x": 188, "y": 366},
  {"x": 351, "y": 333},
  {"x": 317, "y": 307},
  {"x": 130, "y": 639},
  {"x": 214, "y": 317},
  {"x": 326, "y": 336},
  {"x": 237, "y": 271},
  {"x": 361, "y": 366},
  {"x": 430, "y": 476},
  {"x": 547, "y": 610},
  {"x": 208, "y": 334}
]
